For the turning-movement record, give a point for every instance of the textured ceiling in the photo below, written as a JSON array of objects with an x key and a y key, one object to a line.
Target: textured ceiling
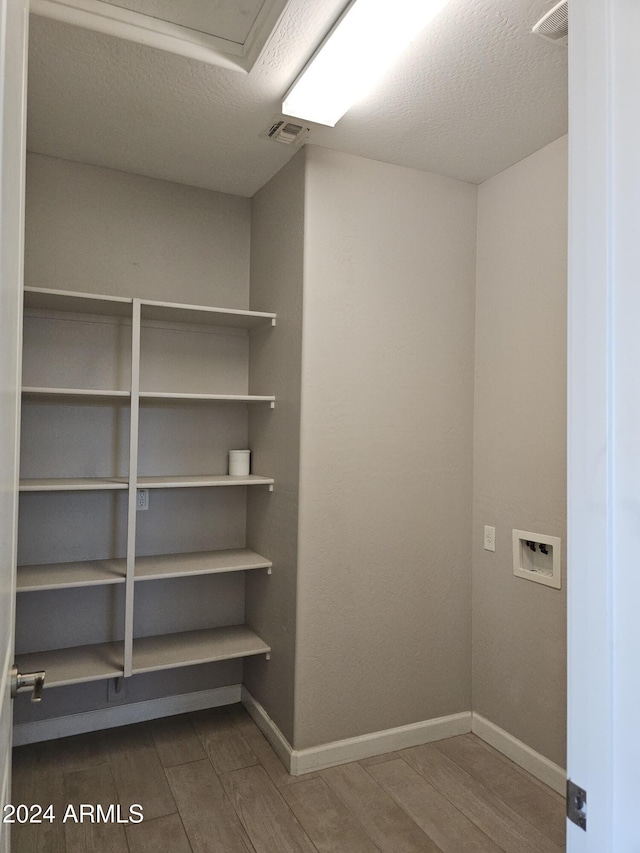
[
  {"x": 473, "y": 94},
  {"x": 227, "y": 19}
]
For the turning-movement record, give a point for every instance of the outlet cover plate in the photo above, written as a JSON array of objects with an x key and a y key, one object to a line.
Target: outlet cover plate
[
  {"x": 489, "y": 538},
  {"x": 533, "y": 564}
]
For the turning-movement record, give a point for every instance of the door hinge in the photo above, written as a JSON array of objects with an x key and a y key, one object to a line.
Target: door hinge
[{"x": 577, "y": 804}]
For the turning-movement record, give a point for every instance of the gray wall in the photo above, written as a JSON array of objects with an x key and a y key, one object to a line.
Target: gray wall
[
  {"x": 277, "y": 235},
  {"x": 101, "y": 231},
  {"x": 383, "y": 634},
  {"x": 519, "y": 651}
]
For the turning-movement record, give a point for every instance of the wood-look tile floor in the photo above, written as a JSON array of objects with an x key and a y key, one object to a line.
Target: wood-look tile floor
[{"x": 210, "y": 783}]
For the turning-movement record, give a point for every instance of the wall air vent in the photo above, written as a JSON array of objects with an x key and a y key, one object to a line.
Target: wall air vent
[
  {"x": 554, "y": 26},
  {"x": 287, "y": 132}
]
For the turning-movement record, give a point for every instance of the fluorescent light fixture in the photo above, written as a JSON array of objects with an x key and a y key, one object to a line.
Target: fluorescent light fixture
[{"x": 362, "y": 45}]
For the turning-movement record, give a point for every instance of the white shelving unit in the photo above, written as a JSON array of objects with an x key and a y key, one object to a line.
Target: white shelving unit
[
  {"x": 199, "y": 563},
  {"x": 198, "y": 314},
  {"x": 41, "y": 299},
  {"x": 169, "y": 651},
  {"x": 166, "y": 397},
  {"x": 131, "y": 325},
  {"x": 79, "y": 394},
  {"x": 202, "y": 480},
  {"x": 68, "y": 575},
  {"x": 73, "y": 484},
  {"x": 75, "y": 665}
]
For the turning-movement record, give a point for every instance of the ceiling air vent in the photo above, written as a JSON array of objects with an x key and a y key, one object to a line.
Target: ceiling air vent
[
  {"x": 287, "y": 132},
  {"x": 554, "y": 26}
]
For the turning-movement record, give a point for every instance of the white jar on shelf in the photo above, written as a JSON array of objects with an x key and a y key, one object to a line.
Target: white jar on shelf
[{"x": 239, "y": 462}]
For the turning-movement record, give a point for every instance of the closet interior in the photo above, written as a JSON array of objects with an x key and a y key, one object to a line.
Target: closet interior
[{"x": 369, "y": 313}]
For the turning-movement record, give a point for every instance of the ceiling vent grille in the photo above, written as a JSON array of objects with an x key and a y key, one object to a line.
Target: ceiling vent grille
[
  {"x": 287, "y": 132},
  {"x": 554, "y": 26}
]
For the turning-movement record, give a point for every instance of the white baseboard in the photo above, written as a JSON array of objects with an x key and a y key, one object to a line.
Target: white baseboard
[
  {"x": 269, "y": 729},
  {"x": 300, "y": 761},
  {"x": 546, "y": 771},
  {"x": 123, "y": 715},
  {"x": 377, "y": 743}
]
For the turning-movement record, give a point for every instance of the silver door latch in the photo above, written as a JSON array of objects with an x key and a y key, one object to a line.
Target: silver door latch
[
  {"x": 577, "y": 804},
  {"x": 27, "y": 681}
]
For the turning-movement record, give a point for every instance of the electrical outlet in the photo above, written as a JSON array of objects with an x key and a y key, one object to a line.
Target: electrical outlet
[
  {"x": 489, "y": 538},
  {"x": 143, "y": 500}
]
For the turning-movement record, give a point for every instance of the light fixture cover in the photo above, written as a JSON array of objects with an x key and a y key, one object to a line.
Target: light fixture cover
[{"x": 361, "y": 46}]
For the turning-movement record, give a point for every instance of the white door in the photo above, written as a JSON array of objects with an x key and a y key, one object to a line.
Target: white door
[
  {"x": 13, "y": 78},
  {"x": 604, "y": 422}
]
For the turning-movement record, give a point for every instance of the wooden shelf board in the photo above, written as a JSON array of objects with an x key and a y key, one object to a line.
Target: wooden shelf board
[
  {"x": 230, "y": 398},
  {"x": 186, "y": 482},
  {"x": 76, "y": 303},
  {"x": 201, "y": 314},
  {"x": 66, "y": 575},
  {"x": 75, "y": 665},
  {"x": 198, "y": 563},
  {"x": 170, "y": 651},
  {"x": 73, "y": 484},
  {"x": 57, "y": 394}
]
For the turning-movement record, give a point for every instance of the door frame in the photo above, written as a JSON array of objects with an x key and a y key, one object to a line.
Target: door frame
[
  {"x": 14, "y": 21},
  {"x": 604, "y": 421},
  {"x": 604, "y": 412}
]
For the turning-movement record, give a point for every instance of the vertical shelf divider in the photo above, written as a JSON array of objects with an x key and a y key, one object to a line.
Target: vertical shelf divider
[{"x": 133, "y": 490}]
